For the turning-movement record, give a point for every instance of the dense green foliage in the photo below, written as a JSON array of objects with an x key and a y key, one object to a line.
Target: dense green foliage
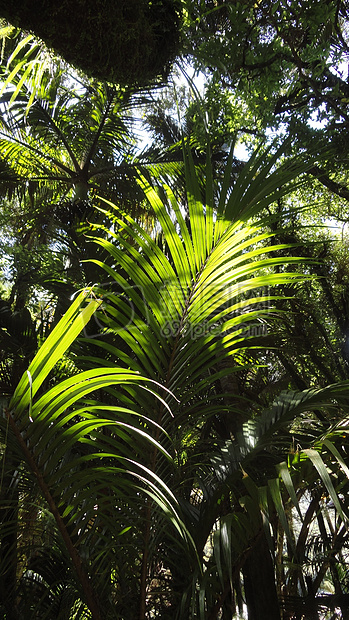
[
  {"x": 283, "y": 65},
  {"x": 282, "y": 57},
  {"x": 124, "y": 42},
  {"x": 174, "y": 323}
]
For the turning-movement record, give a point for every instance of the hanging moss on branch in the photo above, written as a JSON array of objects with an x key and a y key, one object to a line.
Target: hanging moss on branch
[{"x": 120, "y": 41}]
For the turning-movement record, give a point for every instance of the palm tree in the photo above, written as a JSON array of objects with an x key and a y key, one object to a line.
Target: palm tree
[
  {"x": 71, "y": 141},
  {"x": 178, "y": 309},
  {"x": 71, "y": 138},
  {"x": 145, "y": 494}
]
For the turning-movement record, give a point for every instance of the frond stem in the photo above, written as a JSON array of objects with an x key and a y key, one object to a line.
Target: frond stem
[{"x": 84, "y": 579}]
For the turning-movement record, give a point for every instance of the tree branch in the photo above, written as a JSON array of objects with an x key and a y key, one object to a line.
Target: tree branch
[{"x": 336, "y": 188}]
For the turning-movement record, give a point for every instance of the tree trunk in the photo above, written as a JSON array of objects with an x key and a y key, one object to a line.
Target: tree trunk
[
  {"x": 259, "y": 582},
  {"x": 8, "y": 545}
]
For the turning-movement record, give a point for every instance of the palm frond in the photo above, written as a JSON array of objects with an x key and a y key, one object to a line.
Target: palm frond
[
  {"x": 177, "y": 310},
  {"x": 79, "y": 454}
]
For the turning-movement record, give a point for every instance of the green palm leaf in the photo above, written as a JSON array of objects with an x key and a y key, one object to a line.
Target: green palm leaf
[
  {"x": 75, "y": 448},
  {"x": 196, "y": 290}
]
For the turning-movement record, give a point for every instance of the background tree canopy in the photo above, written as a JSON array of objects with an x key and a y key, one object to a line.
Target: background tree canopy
[
  {"x": 174, "y": 311},
  {"x": 129, "y": 41},
  {"x": 286, "y": 63}
]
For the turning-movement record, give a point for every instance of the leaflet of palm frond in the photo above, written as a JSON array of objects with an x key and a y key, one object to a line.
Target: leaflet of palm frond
[
  {"x": 308, "y": 606},
  {"x": 18, "y": 326},
  {"x": 18, "y": 343},
  {"x": 291, "y": 404}
]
